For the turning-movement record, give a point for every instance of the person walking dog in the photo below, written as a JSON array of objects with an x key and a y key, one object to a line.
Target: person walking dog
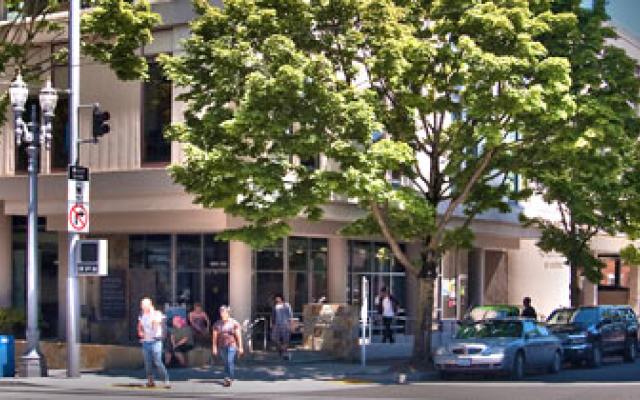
[
  {"x": 151, "y": 333},
  {"x": 226, "y": 341}
]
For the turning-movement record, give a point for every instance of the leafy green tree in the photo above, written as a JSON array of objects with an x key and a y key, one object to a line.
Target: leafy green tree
[
  {"x": 589, "y": 172},
  {"x": 372, "y": 85},
  {"x": 112, "y": 31}
]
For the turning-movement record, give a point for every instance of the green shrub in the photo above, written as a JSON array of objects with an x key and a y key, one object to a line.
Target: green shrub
[{"x": 12, "y": 321}]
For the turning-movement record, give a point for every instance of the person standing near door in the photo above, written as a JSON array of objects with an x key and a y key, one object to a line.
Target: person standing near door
[
  {"x": 528, "y": 311},
  {"x": 388, "y": 308},
  {"x": 226, "y": 341},
  {"x": 281, "y": 318},
  {"x": 151, "y": 331},
  {"x": 200, "y": 323}
]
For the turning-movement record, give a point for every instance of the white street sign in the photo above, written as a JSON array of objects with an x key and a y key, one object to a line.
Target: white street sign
[{"x": 78, "y": 191}]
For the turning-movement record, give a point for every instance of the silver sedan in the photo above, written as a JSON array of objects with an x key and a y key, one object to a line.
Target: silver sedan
[{"x": 503, "y": 346}]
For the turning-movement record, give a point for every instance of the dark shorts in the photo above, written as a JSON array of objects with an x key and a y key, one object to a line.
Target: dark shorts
[{"x": 185, "y": 348}]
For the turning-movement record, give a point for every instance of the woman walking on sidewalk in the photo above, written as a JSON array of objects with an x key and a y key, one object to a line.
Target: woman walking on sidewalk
[
  {"x": 227, "y": 341},
  {"x": 151, "y": 332}
]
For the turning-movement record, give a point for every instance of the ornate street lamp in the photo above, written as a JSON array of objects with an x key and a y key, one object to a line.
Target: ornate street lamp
[{"x": 34, "y": 135}]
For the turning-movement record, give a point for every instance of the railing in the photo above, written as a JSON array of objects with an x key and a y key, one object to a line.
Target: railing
[{"x": 249, "y": 329}]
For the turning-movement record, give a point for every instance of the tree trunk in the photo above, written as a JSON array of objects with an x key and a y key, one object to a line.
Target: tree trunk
[
  {"x": 573, "y": 286},
  {"x": 424, "y": 313},
  {"x": 424, "y": 320}
]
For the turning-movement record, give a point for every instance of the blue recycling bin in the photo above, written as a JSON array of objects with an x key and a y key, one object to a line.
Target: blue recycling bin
[{"x": 7, "y": 356}]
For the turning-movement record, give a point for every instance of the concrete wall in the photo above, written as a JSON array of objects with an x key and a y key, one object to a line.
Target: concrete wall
[{"x": 541, "y": 276}]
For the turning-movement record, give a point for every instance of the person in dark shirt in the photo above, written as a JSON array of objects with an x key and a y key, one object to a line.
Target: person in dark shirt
[
  {"x": 528, "y": 311},
  {"x": 180, "y": 342}
]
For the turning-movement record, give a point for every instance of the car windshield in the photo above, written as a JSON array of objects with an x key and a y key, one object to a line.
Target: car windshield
[
  {"x": 585, "y": 316},
  {"x": 562, "y": 316},
  {"x": 490, "y": 329},
  {"x": 478, "y": 314}
]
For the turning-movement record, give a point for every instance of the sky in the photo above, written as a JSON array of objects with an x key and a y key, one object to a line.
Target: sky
[{"x": 624, "y": 13}]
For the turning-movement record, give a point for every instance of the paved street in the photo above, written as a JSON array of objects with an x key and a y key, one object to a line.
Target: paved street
[{"x": 615, "y": 380}]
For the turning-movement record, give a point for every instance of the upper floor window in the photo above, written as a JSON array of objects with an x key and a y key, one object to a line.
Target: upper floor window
[
  {"x": 156, "y": 116},
  {"x": 60, "y": 140}
]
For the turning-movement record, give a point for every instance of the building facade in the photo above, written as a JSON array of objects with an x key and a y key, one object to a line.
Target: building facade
[{"x": 163, "y": 246}]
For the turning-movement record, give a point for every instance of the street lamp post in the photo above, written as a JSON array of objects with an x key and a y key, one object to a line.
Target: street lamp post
[{"x": 32, "y": 134}]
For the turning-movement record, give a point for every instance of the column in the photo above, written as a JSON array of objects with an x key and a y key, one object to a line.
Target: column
[
  {"x": 589, "y": 293},
  {"x": 337, "y": 269},
  {"x": 240, "y": 260},
  {"x": 6, "y": 270}
]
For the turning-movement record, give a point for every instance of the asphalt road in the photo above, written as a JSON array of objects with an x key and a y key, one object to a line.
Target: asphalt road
[{"x": 615, "y": 380}]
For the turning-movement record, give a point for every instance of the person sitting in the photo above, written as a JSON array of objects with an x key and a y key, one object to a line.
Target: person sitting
[
  {"x": 180, "y": 342},
  {"x": 199, "y": 321}
]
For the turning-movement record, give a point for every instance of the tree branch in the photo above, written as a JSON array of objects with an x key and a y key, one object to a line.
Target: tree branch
[
  {"x": 484, "y": 162},
  {"x": 393, "y": 243}
]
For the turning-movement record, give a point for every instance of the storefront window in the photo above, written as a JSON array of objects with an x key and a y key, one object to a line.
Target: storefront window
[
  {"x": 269, "y": 277},
  {"x": 152, "y": 253},
  {"x": 216, "y": 253},
  {"x": 48, "y": 264},
  {"x": 298, "y": 272},
  {"x": 216, "y": 274},
  {"x": 200, "y": 274},
  {"x": 305, "y": 273},
  {"x": 319, "y": 269},
  {"x": 375, "y": 262},
  {"x": 189, "y": 273}
]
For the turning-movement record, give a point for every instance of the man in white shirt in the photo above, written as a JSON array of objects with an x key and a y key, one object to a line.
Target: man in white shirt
[{"x": 387, "y": 308}]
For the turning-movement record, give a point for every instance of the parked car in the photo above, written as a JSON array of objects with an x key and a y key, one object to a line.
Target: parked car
[
  {"x": 508, "y": 346},
  {"x": 589, "y": 333},
  {"x": 497, "y": 311}
]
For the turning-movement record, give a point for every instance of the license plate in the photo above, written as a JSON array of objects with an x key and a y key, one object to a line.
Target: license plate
[{"x": 463, "y": 362}]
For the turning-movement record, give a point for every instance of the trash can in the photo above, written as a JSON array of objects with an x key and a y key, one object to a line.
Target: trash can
[{"x": 7, "y": 356}]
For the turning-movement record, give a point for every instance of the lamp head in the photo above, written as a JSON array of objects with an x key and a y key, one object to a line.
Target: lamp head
[
  {"x": 48, "y": 100},
  {"x": 18, "y": 93}
]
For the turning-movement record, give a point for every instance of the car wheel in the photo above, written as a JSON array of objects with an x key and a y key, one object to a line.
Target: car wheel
[
  {"x": 556, "y": 364},
  {"x": 630, "y": 351},
  {"x": 517, "y": 370},
  {"x": 595, "y": 359}
]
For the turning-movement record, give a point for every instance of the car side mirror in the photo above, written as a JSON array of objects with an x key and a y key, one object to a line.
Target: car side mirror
[{"x": 527, "y": 336}]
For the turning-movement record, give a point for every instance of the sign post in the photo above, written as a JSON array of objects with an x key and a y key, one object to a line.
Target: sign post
[
  {"x": 78, "y": 200},
  {"x": 364, "y": 319}
]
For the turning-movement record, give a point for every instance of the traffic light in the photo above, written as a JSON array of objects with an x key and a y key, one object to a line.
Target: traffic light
[{"x": 100, "y": 122}]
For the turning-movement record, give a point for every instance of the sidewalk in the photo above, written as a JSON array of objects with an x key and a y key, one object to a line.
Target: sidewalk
[{"x": 307, "y": 372}]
